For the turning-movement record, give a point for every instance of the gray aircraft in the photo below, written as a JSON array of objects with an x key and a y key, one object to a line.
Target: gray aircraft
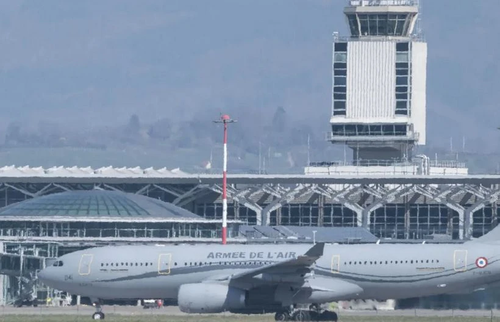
[{"x": 280, "y": 279}]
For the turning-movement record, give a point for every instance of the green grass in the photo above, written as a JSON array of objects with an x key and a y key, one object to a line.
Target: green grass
[{"x": 256, "y": 318}]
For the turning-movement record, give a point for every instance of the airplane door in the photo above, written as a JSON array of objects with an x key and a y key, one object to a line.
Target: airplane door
[
  {"x": 164, "y": 264},
  {"x": 335, "y": 264},
  {"x": 85, "y": 263},
  {"x": 460, "y": 260}
]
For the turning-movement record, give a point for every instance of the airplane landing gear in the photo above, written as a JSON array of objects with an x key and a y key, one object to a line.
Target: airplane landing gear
[
  {"x": 98, "y": 315},
  {"x": 282, "y": 316},
  {"x": 313, "y": 314}
]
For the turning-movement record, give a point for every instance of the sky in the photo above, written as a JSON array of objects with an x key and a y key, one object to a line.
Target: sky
[{"x": 92, "y": 63}]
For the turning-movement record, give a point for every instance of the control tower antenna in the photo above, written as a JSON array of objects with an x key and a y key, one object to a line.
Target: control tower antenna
[
  {"x": 225, "y": 119},
  {"x": 418, "y": 27}
]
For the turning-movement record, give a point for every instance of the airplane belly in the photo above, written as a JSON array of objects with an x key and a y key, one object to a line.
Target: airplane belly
[{"x": 132, "y": 287}]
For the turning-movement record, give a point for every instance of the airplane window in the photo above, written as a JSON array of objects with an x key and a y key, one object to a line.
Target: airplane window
[
  {"x": 122, "y": 264},
  {"x": 185, "y": 264},
  {"x": 58, "y": 264},
  {"x": 411, "y": 262},
  {"x": 201, "y": 263},
  {"x": 107, "y": 264},
  {"x": 350, "y": 263},
  {"x": 437, "y": 260},
  {"x": 146, "y": 264},
  {"x": 385, "y": 262},
  {"x": 175, "y": 264},
  {"x": 427, "y": 261},
  {"x": 126, "y": 264}
]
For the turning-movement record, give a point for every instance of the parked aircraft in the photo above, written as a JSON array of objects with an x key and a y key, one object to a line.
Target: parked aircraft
[{"x": 252, "y": 279}]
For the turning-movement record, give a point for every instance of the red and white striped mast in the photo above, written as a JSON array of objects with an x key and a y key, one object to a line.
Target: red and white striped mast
[{"x": 225, "y": 119}]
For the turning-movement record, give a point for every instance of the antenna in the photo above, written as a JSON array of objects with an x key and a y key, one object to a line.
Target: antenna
[
  {"x": 224, "y": 119},
  {"x": 418, "y": 28},
  {"x": 308, "y": 150}
]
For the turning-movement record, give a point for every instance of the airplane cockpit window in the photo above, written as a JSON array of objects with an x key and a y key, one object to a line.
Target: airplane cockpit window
[{"x": 58, "y": 263}]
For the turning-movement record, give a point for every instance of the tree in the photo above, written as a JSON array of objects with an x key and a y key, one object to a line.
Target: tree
[
  {"x": 13, "y": 133},
  {"x": 160, "y": 130},
  {"x": 279, "y": 120},
  {"x": 134, "y": 125}
]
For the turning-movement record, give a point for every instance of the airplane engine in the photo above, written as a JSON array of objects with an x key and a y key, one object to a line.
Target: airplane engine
[{"x": 209, "y": 298}]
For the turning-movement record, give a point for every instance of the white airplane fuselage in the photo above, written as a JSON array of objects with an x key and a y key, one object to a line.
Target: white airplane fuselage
[{"x": 381, "y": 271}]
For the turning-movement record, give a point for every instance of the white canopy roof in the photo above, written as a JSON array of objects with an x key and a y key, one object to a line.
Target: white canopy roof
[{"x": 77, "y": 172}]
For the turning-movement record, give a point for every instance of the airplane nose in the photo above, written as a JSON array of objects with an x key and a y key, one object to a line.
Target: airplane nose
[{"x": 41, "y": 274}]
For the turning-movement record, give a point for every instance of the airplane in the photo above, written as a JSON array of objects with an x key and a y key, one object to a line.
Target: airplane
[{"x": 275, "y": 278}]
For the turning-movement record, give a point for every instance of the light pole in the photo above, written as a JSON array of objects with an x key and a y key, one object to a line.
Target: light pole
[
  {"x": 225, "y": 119},
  {"x": 314, "y": 237}
]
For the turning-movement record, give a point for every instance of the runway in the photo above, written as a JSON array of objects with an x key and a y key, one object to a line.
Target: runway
[{"x": 174, "y": 311}]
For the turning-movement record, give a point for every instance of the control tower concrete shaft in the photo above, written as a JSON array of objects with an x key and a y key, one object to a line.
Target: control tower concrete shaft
[{"x": 379, "y": 81}]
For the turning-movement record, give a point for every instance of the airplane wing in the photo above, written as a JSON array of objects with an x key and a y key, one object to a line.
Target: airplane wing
[
  {"x": 299, "y": 265},
  {"x": 291, "y": 270}
]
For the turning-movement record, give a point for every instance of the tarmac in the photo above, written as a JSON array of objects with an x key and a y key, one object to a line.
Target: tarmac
[{"x": 174, "y": 311}]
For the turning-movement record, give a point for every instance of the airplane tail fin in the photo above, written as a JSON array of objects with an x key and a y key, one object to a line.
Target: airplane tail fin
[{"x": 490, "y": 237}]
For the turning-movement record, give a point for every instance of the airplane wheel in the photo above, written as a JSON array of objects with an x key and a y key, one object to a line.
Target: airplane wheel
[
  {"x": 314, "y": 316},
  {"x": 281, "y": 316},
  {"x": 98, "y": 316},
  {"x": 302, "y": 316},
  {"x": 329, "y": 316}
]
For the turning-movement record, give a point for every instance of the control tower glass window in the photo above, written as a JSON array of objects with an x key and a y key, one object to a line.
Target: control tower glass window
[
  {"x": 339, "y": 78},
  {"x": 403, "y": 79},
  {"x": 370, "y": 130},
  {"x": 353, "y": 25},
  {"x": 377, "y": 24}
]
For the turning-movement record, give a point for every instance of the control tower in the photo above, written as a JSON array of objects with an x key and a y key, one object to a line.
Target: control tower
[{"x": 379, "y": 82}]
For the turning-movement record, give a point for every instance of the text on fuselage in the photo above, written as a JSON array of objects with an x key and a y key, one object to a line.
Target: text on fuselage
[{"x": 251, "y": 255}]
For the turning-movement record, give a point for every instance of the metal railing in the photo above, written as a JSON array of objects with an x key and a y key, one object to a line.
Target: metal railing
[
  {"x": 383, "y": 163},
  {"x": 447, "y": 164},
  {"x": 375, "y": 3},
  {"x": 412, "y": 37}
]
